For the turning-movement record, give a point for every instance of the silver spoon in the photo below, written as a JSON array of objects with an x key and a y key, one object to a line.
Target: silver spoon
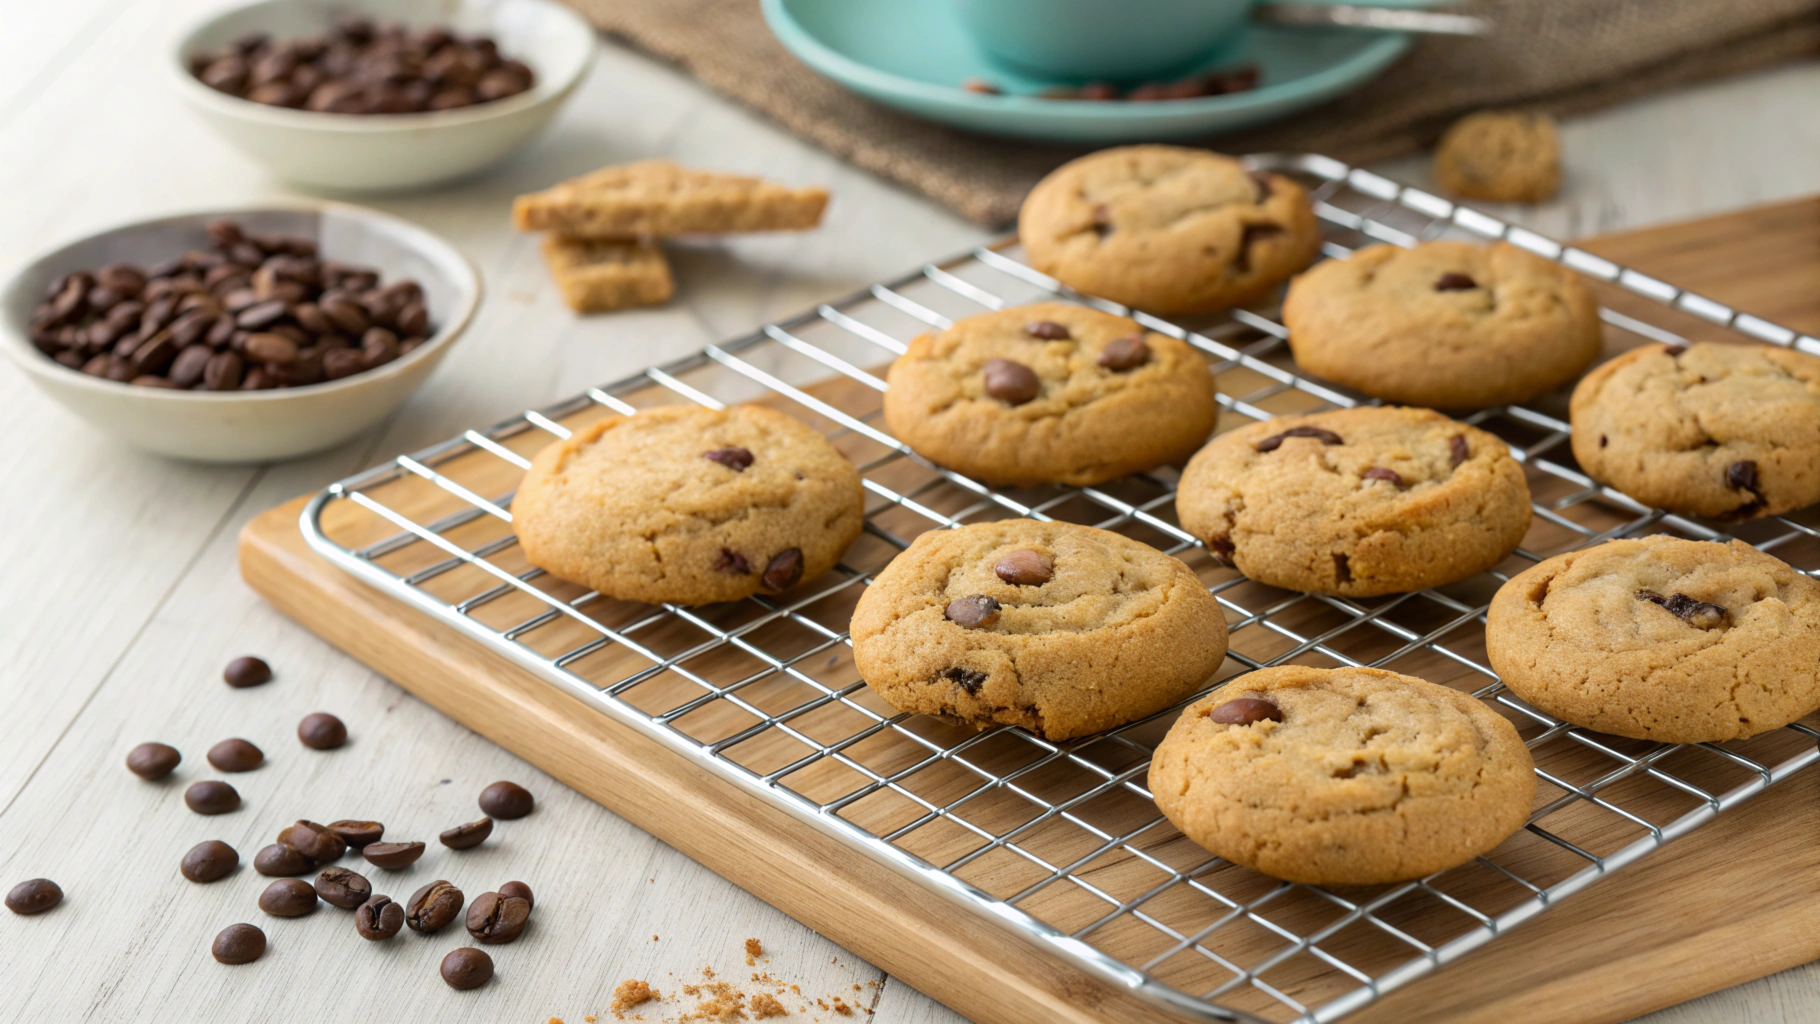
[{"x": 1393, "y": 19}]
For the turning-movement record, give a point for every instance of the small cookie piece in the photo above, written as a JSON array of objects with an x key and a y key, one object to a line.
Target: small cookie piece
[
  {"x": 689, "y": 505},
  {"x": 1723, "y": 431},
  {"x": 1447, "y": 325},
  {"x": 601, "y": 276},
  {"x": 1351, "y": 776},
  {"x": 1050, "y": 393},
  {"x": 1168, "y": 229},
  {"x": 1659, "y": 638},
  {"x": 659, "y": 198},
  {"x": 1358, "y": 502},
  {"x": 1506, "y": 156},
  {"x": 1065, "y": 630}
]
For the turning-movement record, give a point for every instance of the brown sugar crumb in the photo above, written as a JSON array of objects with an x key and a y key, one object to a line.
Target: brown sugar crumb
[
  {"x": 754, "y": 949},
  {"x": 842, "y": 1008},
  {"x": 763, "y": 1006},
  {"x": 589, "y": 1018},
  {"x": 630, "y": 993},
  {"x": 719, "y": 1002}
]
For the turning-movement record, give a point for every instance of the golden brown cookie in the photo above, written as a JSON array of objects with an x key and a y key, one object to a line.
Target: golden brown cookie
[
  {"x": 1358, "y": 502},
  {"x": 1506, "y": 156},
  {"x": 1660, "y": 638},
  {"x": 1725, "y": 431},
  {"x": 1448, "y": 325},
  {"x": 1168, "y": 229},
  {"x": 1065, "y": 630},
  {"x": 1351, "y": 776},
  {"x": 689, "y": 505},
  {"x": 1050, "y": 393}
]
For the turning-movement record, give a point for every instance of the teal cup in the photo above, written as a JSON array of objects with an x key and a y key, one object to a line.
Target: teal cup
[{"x": 1090, "y": 40}]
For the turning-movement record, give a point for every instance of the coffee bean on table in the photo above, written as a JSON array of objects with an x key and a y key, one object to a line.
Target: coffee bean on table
[
  {"x": 518, "y": 889},
  {"x": 317, "y": 842},
  {"x": 393, "y": 856},
  {"x": 322, "y": 731},
  {"x": 495, "y": 919},
  {"x": 153, "y": 760},
  {"x": 33, "y": 896},
  {"x": 239, "y": 944},
  {"x": 506, "y": 801},
  {"x": 432, "y": 907},
  {"x": 466, "y": 837},
  {"x": 378, "y": 918},
  {"x": 357, "y": 834},
  {"x": 467, "y": 968},
  {"x": 211, "y": 796},
  {"x": 288, "y": 897},
  {"x": 235, "y": 755},
  {"x": 247, "y": 671},
  {"x": 343, "y": 888},
  {"x": 209, "y": 861},
  {"x": 278, "y": 861}
]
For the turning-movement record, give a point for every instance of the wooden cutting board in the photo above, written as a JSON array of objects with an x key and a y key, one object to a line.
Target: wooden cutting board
[{"x": 1738, "y": 900}]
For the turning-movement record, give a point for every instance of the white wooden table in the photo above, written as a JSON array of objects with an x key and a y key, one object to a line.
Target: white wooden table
[{"x": 121, "y": 601}]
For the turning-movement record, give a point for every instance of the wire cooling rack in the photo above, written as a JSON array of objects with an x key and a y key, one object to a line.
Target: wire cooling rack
[{"x": 1059, "y": 842}]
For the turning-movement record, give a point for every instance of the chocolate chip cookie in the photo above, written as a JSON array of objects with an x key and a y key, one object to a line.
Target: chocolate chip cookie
[
  {"x": 1724, "y": 431},
  {"x": 1351, "y": 776},
  {"x": 1506, "y": 156},
  {"x": 1168, "y": 229},
  {"x": 1065, "y": 630},
  {"x": 689, "y": 505},
  {"x": 1358, "y": 502},
  {"x": 1660, "y": 638},
  {"x": 1050, "y": 393},
  {"x": 1448, "y": 325}
]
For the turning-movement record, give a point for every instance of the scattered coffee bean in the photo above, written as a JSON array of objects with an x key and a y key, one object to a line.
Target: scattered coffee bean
[
  {"x": 248, "y": 671},
  {"x": 33, "y": 896},
  {"x": 1454, "y": 281},
  {"x": 378, "y": 918},
  {"x": 1125, "y": 354},
  {"x": 785, "y": 570},
  {"x": 358, "y": 834},
  {"x": 974, "y": 612},
  {"x": 1245, "y": 711},
  {"x": 153, "y": 760},
  {"x": 322, "y": 731},
  {"x": 1391, "y": 476},
  {"x": 466, "y": 837},
  {"x": 1011, "y": 382},
  {"x": 209, "y": 861},
  {"x": 1698, "y": 614},
  {"x": 1458, "y": 450},
  {"x": 496, "y": 919},
  {"x": 239, "y": 944},
  {"x": 280, "y": 861},
  {"x": 343, "y": 888},
  {"x": 518, "y": 889},
  {"x": 1025, "y": 568},
  {"x": 432, "y": 907},
  {"x": 393, "y": 856},
  {"x": 467, "y": 968},
  {"x": 1275, "y": 441},
  {"x": 507, "y": 801},
  {"x": 317, "y": 842},
  {"x": 1048, "y": 330},
  {"x": 288, "y": 897},
  {"x": 235, "y": 755},
  {"x": 211, "y": 796},
  {"x": 735, "y": 459}
]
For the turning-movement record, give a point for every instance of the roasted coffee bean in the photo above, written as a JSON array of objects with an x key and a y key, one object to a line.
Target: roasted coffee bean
[
  {"x": 1698, "y": 614},
  {"x": 1380, "y": 473},
  {"x": 1024, "y": 568},
  {"x": 496, "y": 919},
  {"x": 378, "y": 918},
  {"x": 288, "y": 897},
  {"x": 785, "y": 570},
  {"x": 414, "y": 318},
  {"x": 209, "y": 861},
  {"x": 345, "y": 313},
  {"x": 278, "y": 860},
  {"x": 1741, "y": 475},
  {"x": 392, "y": 856},
  {"x": 467, "y": 968},
  {"x": 520, "y": 890},
  {"x": 153, "y": 760},
  {"x": 358, "y": 834},
  {"x": 345, "y": 889},
  {"x": 239, "y": 944},
  {"x": 260, "y": 314},
  {"x": 246, "y": 671},
  {"x": 317, "y": 842},
  {"x": 974, "y": 612},
  {"x": 1275, "y": 441},
  {"x": 735, "y": 459},
  {"x": 1048, "y": 330},
  {"x": 322, "y": 731},
  {"x": 1454, "y": 281},
  {"x": 466, "y": 837},
  {"x": 342, "y": 362},
  {"x": 507, "y": 801},
  {"x": 1245, "y": 711},
  {"x": 1458, "y": 450},
  {"x": 271, "y": 349},
  {"x": 235, "y": 755},
  {"x": 211, "y": 796},
  {"x": 153, "y": 382},
  {"x": 432, "y": 907},
  {"x": 1011, "y": 382},
  {"x": 311, "y": 318},
  {"x": 33, "y": 896},
  {"x": 154, "y": 355},
  {"x": 378, "y": 346},
  {"x": 187, "y": 369},
  {"x": 1125, "y": 354}
]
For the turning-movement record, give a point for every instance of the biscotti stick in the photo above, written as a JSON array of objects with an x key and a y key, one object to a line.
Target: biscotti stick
[
  {"x": 655, "y": 198},
  {"x": 596, "y": 276}
]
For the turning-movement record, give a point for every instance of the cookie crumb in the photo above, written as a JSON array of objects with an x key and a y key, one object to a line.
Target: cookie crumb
[
  {"x": 764, "y": 1006},
  {"x": 754, "y": 949},
  {"x": 589, "y": 1018},
  {"x": 630, "y": 993}
]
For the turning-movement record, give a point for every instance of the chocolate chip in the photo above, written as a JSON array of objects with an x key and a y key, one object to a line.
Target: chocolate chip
[
  {"x": 288, "y": 897},
  {"x": 1024, "y": 568},
  {"x": 1102, "y": 220},
  {"x": 357, "y": 834},
  {"x": 466, "y": 837},
  {"x": 1698, "y": 614},
  {"x": 235, "y": 755},
  {"x": 735, "y": 459},
  {"x": 278, "y": 860},
  {"x": 432, "y": 907},
  {"x": 520, "y": 890},
  {"x": 1454, "y": 281},
  {"x": 343, "y": 888},
  {"x": 239, "y": 944},
  {"x": 1380, "y": 473},
  {"x": 466, "y": 968},
  {"x": 966, "y": 679},
  {"x": 495, "y": 919},
  {"x": 322, "y": 731},
  {"x": 153, "y": 760},
  {"x": 33, "y": 896},
  {"x": 248, "y": 671},
  {"x": 1673, "y": 350},
  {"x": 1275, "y": 441},
  {"x": 973, "y": 612},
  {"x": 211, "y": 796},
  {"x": 1245, "y": 711},
  {"x": 1048, "y": 330},
  {"x": 1125, "y": 354},
  {"x": 378, "y": 918},
  {"x": 1221, "y": 547},
  {"x": 1342, "y": 568},
  {"x": 209, "y": 861},
  {"x": 1011, "y": 382},
  {"x": 1742, "y": 475},
  {"x": 784, "y": 571},
  {"x": 731, "y": 561},
  {"x": 392, "y": 856},
  {"x": 1460, "y": 451},
  {"x": 1262, "y": 181},
  {"x": 1603, "y": 440},
  {"x": 507, "y": 801},
  {"x": 1241, "y": 260}
]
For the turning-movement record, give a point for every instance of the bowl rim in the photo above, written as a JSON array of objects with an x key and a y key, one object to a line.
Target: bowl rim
[
  {"x": 193, "y": 89},
  {"x": 29, "y": 359}
]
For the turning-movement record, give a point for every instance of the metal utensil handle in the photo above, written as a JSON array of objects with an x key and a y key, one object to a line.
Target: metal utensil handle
[{"x": 1394, "y": 19}]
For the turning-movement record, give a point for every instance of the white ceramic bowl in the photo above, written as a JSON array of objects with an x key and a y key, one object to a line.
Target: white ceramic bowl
[
  {"x": 250, "y": 426},
  {"x": 380, "y": 152}
]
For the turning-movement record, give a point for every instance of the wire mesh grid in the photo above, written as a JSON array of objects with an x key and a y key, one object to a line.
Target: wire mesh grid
[{"x": 1060, "y": 842}]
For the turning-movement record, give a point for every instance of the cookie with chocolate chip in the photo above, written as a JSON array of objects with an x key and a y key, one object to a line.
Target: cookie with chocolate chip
[
  {"x": 1447, "y": 325},
  {"x": 1351, "y": 776},
  {"x": 1065, "y": 630},
  {"x": 689, "y": 505},
  {"x": 1050, "y": 393},
  {"x": 1168, "y": 229},
  {"x": 1660, "y": 638},
  {"x": 1356, "y": 502},
  {"x": 1722, "y": 431}
]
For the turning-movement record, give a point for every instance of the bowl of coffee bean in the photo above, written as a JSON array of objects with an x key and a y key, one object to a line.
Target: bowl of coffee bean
[
  {"x": 371, "y": 95},
  {"x": 240, "y": 336}
]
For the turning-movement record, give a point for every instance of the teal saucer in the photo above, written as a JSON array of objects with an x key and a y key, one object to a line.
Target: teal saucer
[{"x": 913, "y": 55}]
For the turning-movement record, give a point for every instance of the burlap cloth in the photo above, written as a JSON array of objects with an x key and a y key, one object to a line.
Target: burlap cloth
[{"x": 1562, "y": 56}]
